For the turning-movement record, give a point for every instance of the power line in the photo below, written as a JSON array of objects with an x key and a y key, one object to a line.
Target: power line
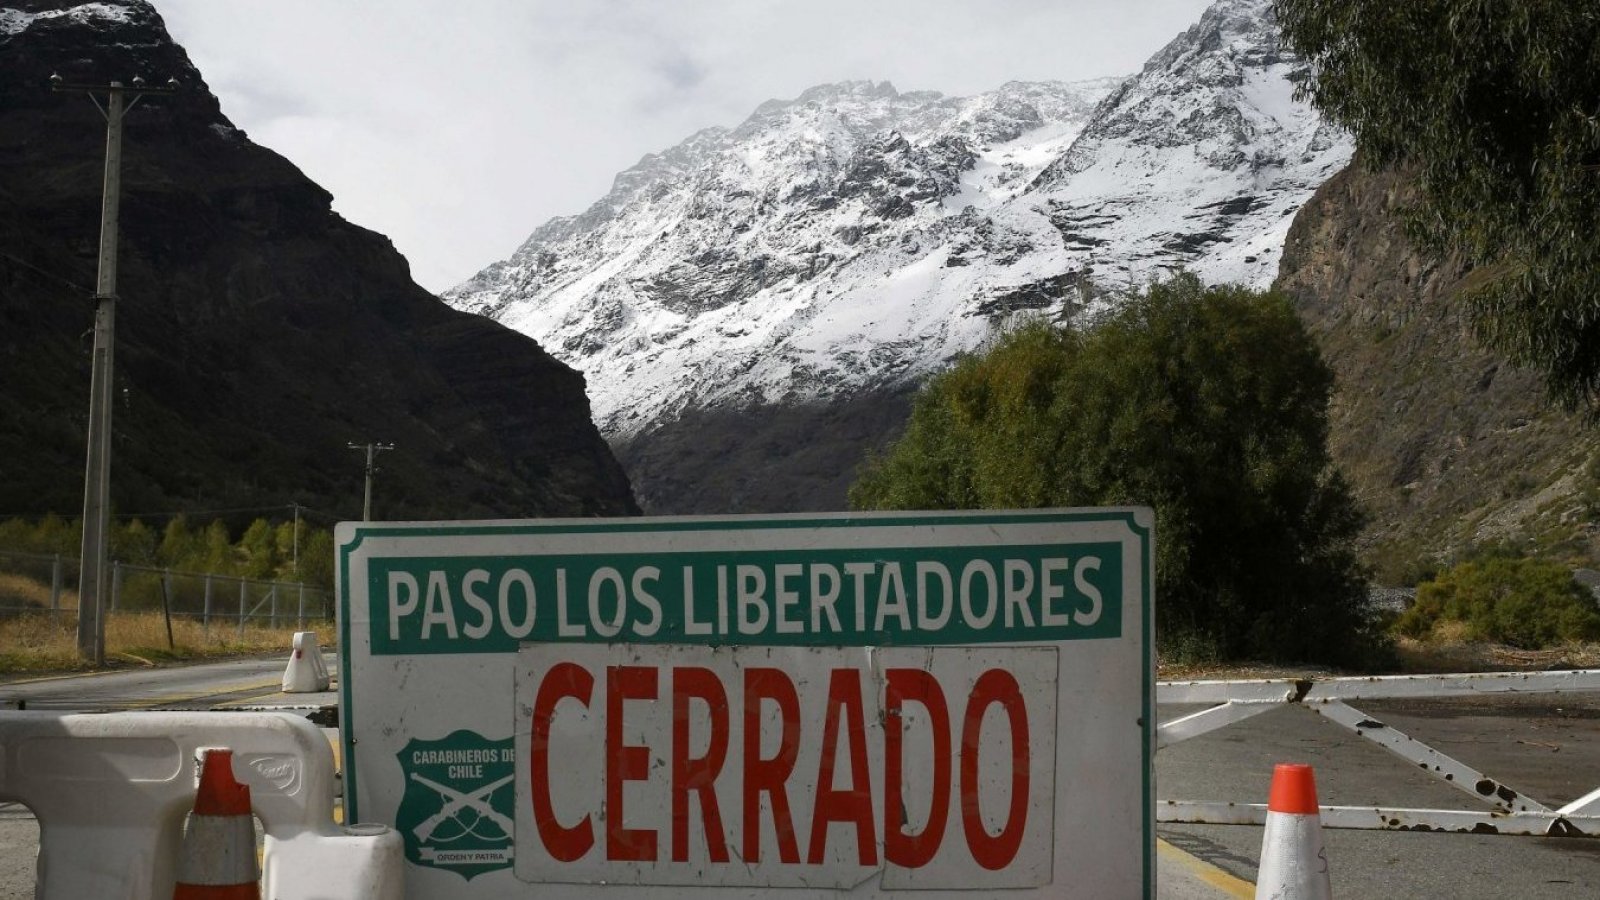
[
  {"x": 320, "y": 513},
  {"x": 203, "y": 512},
  {"x": 46, "y": 273},
  {"x": 190, "y": 512}
]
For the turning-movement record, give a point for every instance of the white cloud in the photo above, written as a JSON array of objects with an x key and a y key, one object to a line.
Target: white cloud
[{"x": 457, "y": 128}]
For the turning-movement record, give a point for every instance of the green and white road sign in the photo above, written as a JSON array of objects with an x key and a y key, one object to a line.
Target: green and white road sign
[{"x": 952, "y": 703}]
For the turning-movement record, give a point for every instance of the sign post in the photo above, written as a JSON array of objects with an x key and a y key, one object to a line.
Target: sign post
[{"x": 947, "y": 703}]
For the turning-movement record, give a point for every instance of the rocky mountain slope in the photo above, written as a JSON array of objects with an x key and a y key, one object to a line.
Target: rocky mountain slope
[
  {"x": 811, "y": 265},
  {"x": 1446, "y": 446},
  {"x": 258, "y": 332}
]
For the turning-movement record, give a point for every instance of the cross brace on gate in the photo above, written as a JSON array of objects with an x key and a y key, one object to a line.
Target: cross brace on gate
[{"x": 1511, "y": 812}]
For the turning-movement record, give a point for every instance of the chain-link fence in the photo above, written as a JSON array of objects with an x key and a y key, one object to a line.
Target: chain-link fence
[
  {"x": 47, "y": 585},
  {"x": 38, "y": 583}
]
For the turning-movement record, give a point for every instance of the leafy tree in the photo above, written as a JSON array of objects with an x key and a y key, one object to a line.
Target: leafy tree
[
  {"x": 284, "y": 540},
  {"x": 178, "y": 543},
  {"x": 265, "y": 550},
  {"x": 1208, "y": 404},
  {"x": 1496, "y": 107},
  {"x": 215, "y": 551},
  {"x": 53, "y": 534},
  {"x": 258, "y": 551},
  {"x": 1514, "y": 600},
  {"x": 133, "y": 542},
  {"x": 316, "y": 557}
]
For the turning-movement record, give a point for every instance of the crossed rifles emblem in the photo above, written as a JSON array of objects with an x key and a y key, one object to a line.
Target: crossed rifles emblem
[{"x": 455, "y": 801}]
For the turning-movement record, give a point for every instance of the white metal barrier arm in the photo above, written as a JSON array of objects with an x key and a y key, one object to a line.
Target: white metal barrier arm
[
  {"x": 1288, "y": 690},
  {"x": 1466, "y": 684},
  {"x": 1372, "y": 818},
  {"x": 1208, "y": 720},
  {"x": 1451, "y": 771},
  {"x": 1587, "y": 805},
  {"x": 1260, "y": 690}
]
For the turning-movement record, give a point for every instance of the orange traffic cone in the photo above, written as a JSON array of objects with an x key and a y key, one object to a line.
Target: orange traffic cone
[
  {"x": 1294, "y": 864},
  {"x": 219, "y": 841}
]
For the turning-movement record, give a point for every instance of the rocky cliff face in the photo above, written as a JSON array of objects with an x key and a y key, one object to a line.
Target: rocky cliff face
[
  {"x": 833, "y": 250},
  {"x": 1446, "y": 445},
  {"x": 258, "y": 332}
]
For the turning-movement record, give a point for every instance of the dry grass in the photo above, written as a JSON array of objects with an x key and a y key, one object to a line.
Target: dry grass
[
  {"x": 35, "y": 643},
  {"x": 1234, "y": 671},
  {"x": 1440, "y": 654},
  {"x": 22, "y": 591}
]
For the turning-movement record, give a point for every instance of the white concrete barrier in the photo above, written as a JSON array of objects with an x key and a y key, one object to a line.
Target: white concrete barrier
[
  {"x": 111, "y": 792},
  {"x": 307, "y": 671}
]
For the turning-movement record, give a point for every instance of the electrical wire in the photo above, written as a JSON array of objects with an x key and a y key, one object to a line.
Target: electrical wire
[
  {"x": 47, "y": 273},
  {"x": 169, "y": 514}
]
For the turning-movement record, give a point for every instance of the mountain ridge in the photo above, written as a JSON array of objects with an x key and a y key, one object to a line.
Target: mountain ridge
[
  {"x": 258, "y": 331},
  {"x": 821, "y": 251}
]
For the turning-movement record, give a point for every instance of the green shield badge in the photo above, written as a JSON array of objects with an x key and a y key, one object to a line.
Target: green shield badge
[{"x": 458, "y": 806}]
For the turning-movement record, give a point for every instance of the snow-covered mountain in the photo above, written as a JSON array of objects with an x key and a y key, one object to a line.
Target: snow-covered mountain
[
  {"x": 806, "y": 250},
  {"x": 857, "y": 238},
  {"x": 1198, "y": 161}
]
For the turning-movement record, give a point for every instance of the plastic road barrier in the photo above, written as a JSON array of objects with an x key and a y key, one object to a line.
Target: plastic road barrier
[
  {"x": 111, "y": 792},
  {"x": 1294, "y": 864},
  {"x": 219, "y": 839},
  {"x": 307, "y": 671}
]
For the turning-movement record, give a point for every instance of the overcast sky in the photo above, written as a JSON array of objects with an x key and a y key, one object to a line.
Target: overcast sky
[{"x": 457, "y": 127}]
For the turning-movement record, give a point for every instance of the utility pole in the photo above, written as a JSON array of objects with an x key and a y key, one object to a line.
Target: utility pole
[
  {"x": 372, "y": 450},
  {"x": 296, "y": 541},
  {"x": 93, "y": 574}
]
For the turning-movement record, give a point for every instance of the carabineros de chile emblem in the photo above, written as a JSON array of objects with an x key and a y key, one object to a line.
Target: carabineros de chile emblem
[{"x": 457, "y": 810}]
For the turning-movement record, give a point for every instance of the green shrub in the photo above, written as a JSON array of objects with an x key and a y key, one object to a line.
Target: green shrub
[{"x": 1527, "y": 603}]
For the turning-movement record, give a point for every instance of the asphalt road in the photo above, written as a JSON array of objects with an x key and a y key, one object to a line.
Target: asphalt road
[
  {"x": 1547, "y": 747},
  {"x": 184, "y": 687},
  {"x": 19, "y": 846}
]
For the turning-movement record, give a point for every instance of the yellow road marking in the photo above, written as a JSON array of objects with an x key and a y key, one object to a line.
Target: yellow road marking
[
  {"x": 190, "y": 696},
  {"x": 275, "y": 692},
  {"x": 1220, "y": 879},
  {"x": 43, "y": 678}
]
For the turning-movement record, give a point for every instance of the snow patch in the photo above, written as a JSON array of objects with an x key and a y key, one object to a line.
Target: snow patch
[{"x": 15, "y": 21}]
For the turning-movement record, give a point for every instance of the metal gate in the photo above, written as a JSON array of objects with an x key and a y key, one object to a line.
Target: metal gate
[{"x": 1509, "y": 811}]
